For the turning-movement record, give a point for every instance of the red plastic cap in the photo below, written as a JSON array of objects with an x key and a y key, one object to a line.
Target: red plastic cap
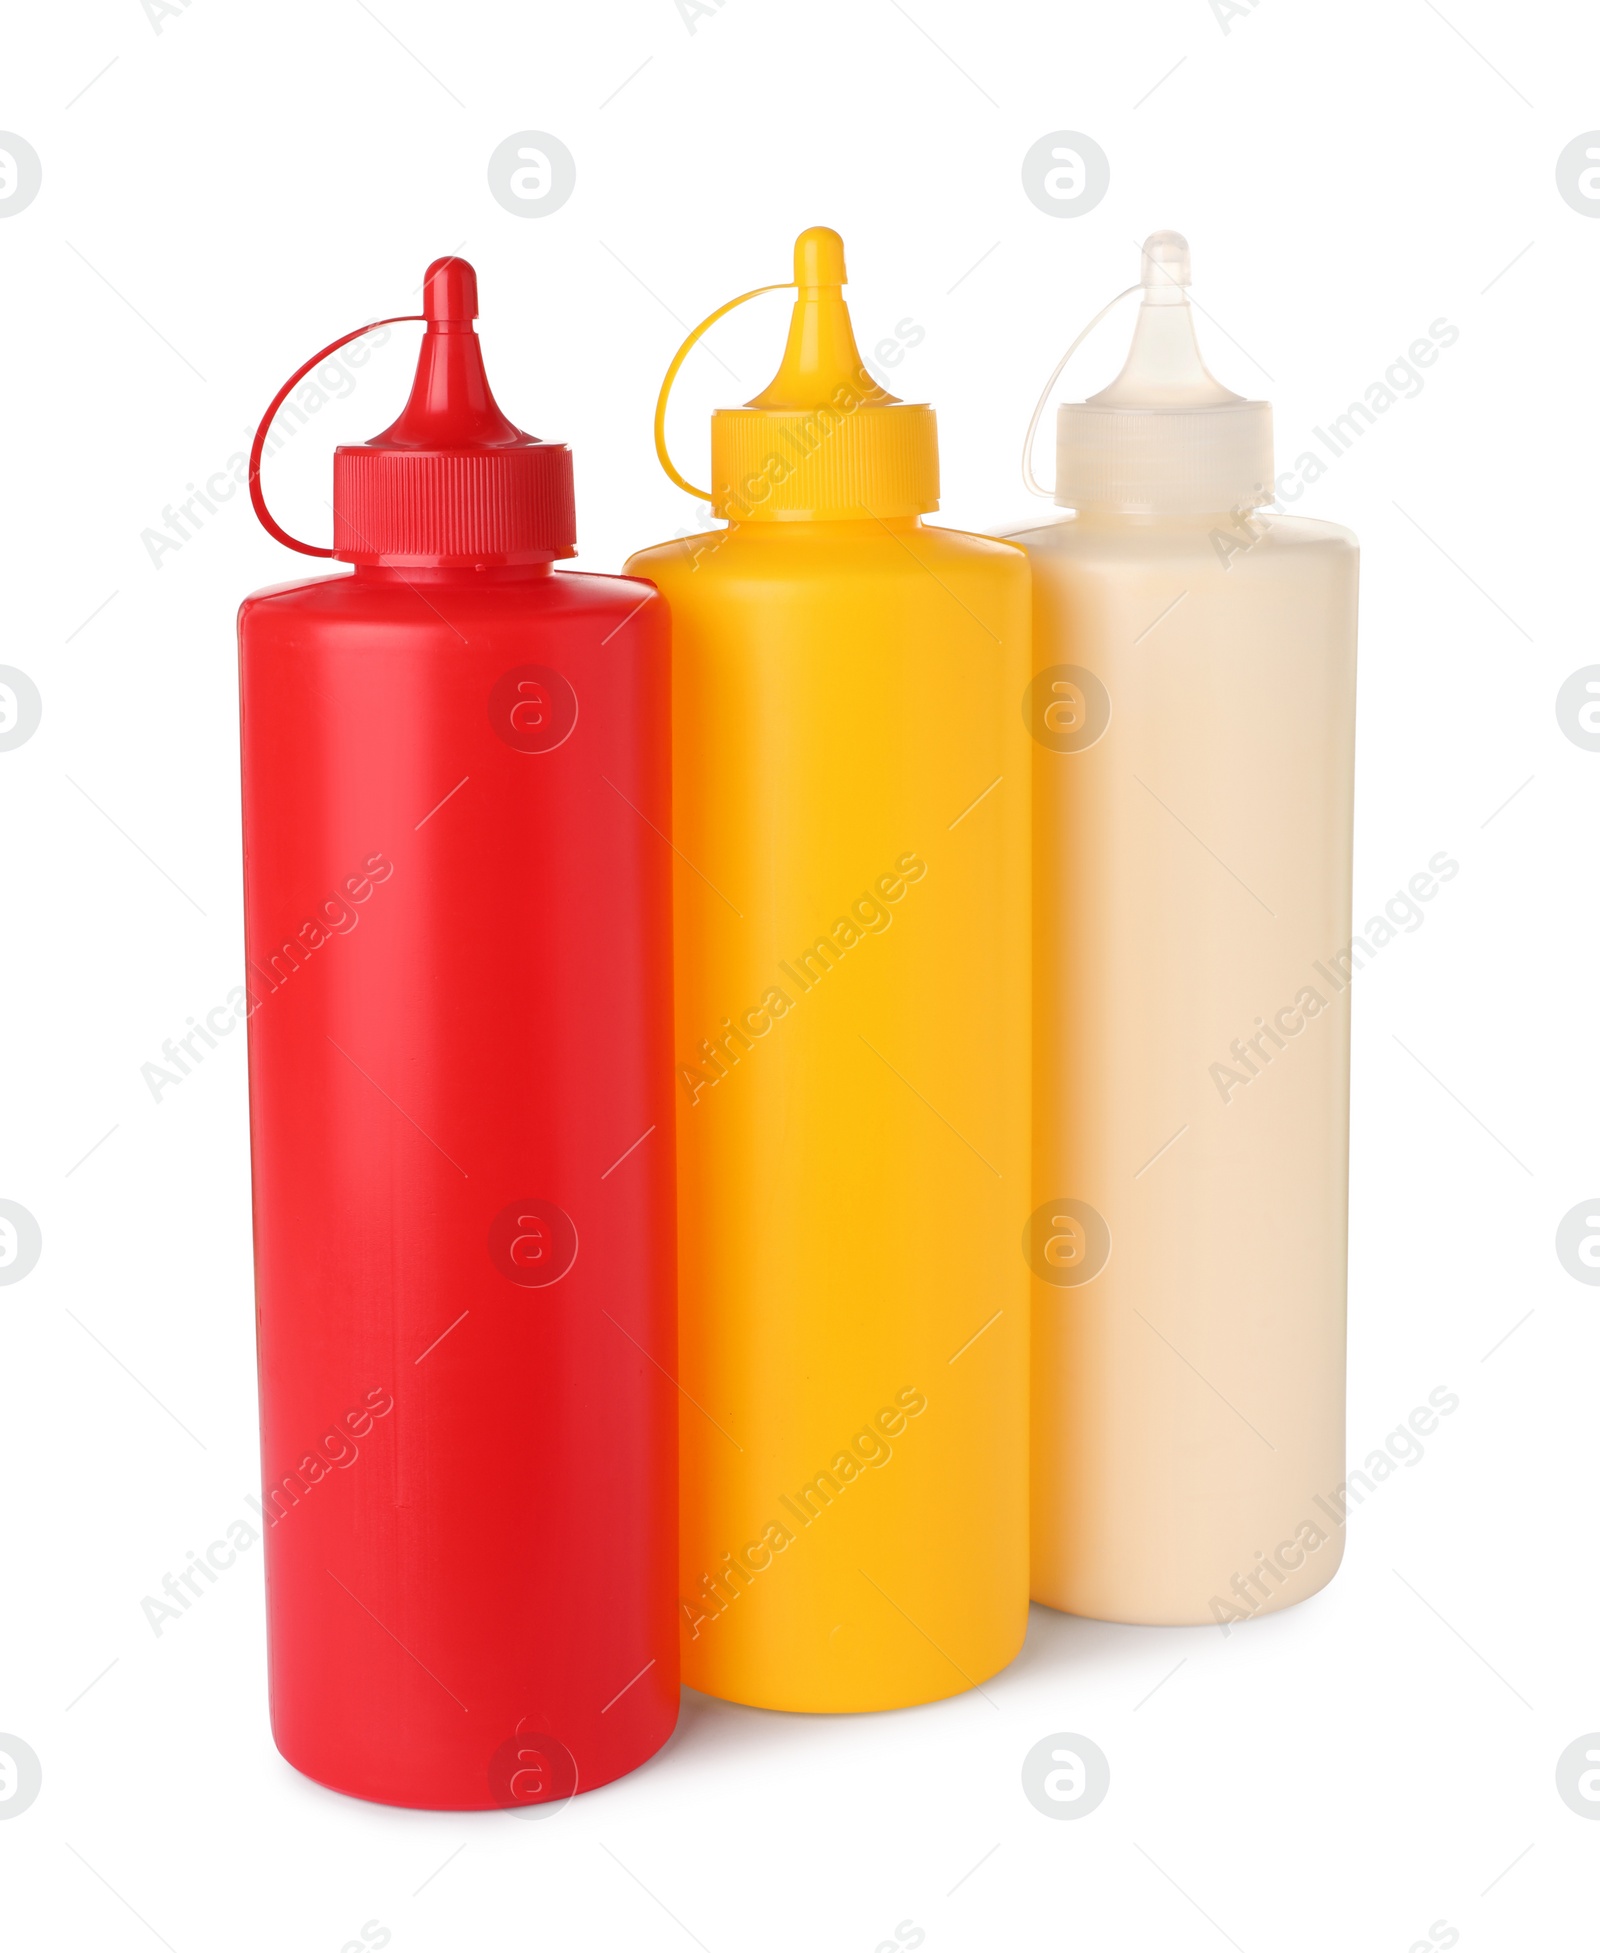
[{"x": 452, "y": 484}]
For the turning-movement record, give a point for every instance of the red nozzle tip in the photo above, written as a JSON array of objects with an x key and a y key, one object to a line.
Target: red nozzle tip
[{"x": 450, "y": 292}]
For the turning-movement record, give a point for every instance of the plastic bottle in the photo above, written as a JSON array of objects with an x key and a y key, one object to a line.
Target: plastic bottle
[
  {"x": 850, "y": 823},
  {"x": 1193, "y": 713},
  {"x": 457, "y": 920}
]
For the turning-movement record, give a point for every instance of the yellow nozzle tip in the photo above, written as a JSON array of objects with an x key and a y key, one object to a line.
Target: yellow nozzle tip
[{"x": 819, "y": 257}]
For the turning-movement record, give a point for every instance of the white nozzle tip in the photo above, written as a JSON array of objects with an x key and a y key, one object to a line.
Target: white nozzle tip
[{"x": 1165, "y": 262}]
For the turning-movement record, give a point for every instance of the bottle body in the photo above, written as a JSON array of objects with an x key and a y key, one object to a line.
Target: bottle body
[
  {"x": 1193, "y": 712},
  {"x": 458, "y": 939},
  {"x": 851, "y": 824}
]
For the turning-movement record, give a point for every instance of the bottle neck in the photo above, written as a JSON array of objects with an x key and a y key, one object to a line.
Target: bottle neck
[
  {"x": 479, "y": 577},
  {"x": 1127, "y": 519},
  {"x": 853, "y": 526}
]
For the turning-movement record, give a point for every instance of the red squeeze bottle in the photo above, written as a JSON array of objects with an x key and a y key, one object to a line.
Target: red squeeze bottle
[{"x": 458, "y": 932}]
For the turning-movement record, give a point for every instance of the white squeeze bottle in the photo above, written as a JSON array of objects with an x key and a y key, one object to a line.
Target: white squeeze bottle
[{"x": 1193, "y": 705}]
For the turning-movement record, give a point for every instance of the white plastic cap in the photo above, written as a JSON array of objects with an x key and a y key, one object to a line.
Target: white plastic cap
[{"x": 1164, "y": 438}]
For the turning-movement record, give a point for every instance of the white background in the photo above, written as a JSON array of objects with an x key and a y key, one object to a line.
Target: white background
[{"x": 237, "y": 188}]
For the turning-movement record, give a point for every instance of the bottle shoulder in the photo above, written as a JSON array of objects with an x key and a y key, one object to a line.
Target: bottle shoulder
[
  {"x": 563, "y": 593},
  {"x": 1070, "y": 537},
  {"x": 975, "y": 542},
  {"x": 785, "y": 550}
]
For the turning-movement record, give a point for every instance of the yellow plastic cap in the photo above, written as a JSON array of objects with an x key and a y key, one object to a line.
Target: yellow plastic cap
[{"x": 824, "y": 440}]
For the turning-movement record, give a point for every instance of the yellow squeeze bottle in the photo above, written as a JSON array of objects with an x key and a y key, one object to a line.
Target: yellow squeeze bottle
[{"x": 851, "y": 831}]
